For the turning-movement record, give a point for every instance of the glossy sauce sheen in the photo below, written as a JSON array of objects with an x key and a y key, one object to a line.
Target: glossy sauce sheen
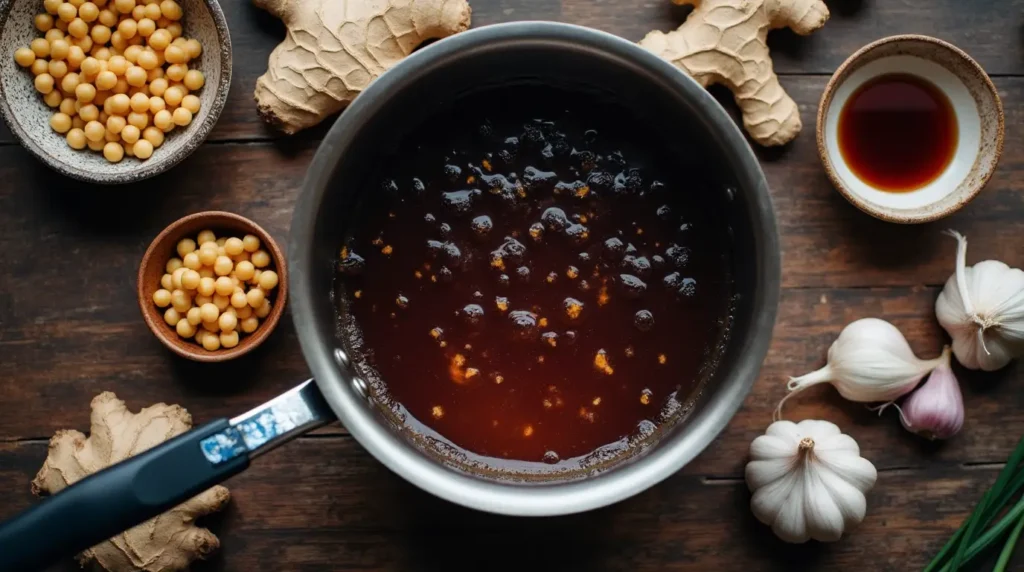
[
  {"x": 532, "y": 289},
  {"x": 898, "y": 132}
]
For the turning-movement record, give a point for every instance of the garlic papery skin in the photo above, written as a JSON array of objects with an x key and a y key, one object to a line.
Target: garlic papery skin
[
  {"x": 981, "y": 307},
  {"x": 869, "y": 362},
  {"x": 808, "y": 480},
  {"x": 936, "y": 409}
]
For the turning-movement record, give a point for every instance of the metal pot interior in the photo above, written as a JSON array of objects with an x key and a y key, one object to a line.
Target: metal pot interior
[{"x": 591, "y": 64}]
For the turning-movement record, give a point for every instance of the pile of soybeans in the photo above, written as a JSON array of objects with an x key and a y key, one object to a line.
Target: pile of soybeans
[{"x": 116, "y": 72}]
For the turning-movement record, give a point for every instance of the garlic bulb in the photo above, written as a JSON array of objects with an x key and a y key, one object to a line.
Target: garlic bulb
[
  {"x": 982, "y": 309},
  {"x": 936, "y": 409},
  {"x": 808, "y": 480},
  {"x": 870, "y": 361}
]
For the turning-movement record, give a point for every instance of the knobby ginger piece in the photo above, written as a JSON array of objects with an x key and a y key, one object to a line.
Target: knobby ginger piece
[
  {"x": 335, "y": 48},
  {"x": 169, "y": 542},
  {"x": 724, "y": 42}
]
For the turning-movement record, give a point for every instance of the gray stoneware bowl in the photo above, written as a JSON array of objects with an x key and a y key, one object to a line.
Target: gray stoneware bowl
[
  {"x": 702, "y": 137},
  {"x": 28, "y": 117}
]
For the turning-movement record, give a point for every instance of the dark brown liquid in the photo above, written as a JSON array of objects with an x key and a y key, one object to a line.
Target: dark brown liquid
[
  {"x": 533, "y": 290},
  {"x": 898, "y": 132}
]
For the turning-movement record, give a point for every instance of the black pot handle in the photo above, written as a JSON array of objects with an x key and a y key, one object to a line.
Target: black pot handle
[
  {"x": 137, "y": 489},
  {"x": 115, "y": 499}
]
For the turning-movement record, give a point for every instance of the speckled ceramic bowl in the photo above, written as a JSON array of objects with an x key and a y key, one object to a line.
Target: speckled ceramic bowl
[
  {"x": 979, "y": 117},
  {"x": 29, "y": 118}
]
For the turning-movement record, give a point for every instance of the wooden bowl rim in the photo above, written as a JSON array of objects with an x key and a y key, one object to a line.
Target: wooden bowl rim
[
  {"x": 885, "y": 213},
  {"x": 154, "y": 318}
]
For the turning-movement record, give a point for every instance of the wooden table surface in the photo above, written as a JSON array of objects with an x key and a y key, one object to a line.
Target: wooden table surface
[{"x": 70, "y": 328}]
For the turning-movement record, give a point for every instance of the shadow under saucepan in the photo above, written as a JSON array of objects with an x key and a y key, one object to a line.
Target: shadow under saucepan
[{"x": 444, "y": 536}]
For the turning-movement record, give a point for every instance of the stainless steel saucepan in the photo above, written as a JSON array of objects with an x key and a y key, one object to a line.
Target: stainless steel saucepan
[{"x": 568, "y": 56}]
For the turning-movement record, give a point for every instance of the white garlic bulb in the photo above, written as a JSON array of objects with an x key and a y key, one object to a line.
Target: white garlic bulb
[
  {"x": 869, "y": 362},
  {"x": 982, "y": 309},
  {"x": 808, "y": 480}
]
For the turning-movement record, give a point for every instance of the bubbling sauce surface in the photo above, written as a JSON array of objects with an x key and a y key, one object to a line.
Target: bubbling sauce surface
[{"x": 536, "y": 286}]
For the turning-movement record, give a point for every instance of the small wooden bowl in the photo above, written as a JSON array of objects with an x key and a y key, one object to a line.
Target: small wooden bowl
[
  {"x": 975, "y": 102},
  {"x": 162, "y": 249}
]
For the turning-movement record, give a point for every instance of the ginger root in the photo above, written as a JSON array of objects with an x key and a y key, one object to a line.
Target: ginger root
[
  {"x": 724, "y": 42},
  {"x": 335, "y": 48},
  {"x": 168, "y": 542}
]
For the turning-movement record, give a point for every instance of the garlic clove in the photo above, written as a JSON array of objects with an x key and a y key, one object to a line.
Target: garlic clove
[
  {"x": 791, "y": 523},
  {"x": 840, "y": 443},
  {"x": 841, "y": 455},
  {"x": 936, "y": 409},
  {"x": 975, "y": 349},
  {"x": 968, "y": 349},
  {"x": 849, "y": 499},
  {"x": 768, "y": 499},
  {"x": 770, "y": 447},
  {"x": 763, "y": 473},
  {"x": 857, "y": 471},
  {"x": 825, "y": 520}
]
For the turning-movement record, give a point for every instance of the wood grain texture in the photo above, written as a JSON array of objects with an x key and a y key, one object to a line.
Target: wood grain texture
[
  {"x": 70, "y": 328},
  {"x": 347, "y": 512},
  {"x": 983, "y": 28}
]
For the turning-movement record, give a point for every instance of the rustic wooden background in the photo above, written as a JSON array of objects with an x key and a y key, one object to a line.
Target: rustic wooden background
[{"x": 70, "y": 328}]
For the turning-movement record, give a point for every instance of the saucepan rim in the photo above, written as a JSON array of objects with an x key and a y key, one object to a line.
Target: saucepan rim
[{"x": 673, "y": 451}]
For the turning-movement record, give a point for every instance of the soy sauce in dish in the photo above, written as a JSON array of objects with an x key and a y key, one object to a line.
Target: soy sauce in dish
[
  {"x": 898, "y": 132},
  {"x": 539, "y": 288}
]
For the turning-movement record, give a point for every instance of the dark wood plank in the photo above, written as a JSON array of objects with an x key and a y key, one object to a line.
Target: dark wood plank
[
  {"x": 347, "y": 512},
  {"x": 70, "y": 328},
  {"x": 809, "y": 321},
  {"x": 854, "y": 23},
  {"x": 826, "y": 241}
]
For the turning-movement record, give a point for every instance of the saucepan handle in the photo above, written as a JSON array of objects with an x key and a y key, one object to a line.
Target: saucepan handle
[{"x": 137, "y": 489}]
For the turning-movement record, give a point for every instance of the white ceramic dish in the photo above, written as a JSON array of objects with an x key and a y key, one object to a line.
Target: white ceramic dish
[{"x": 979, "y": 117}]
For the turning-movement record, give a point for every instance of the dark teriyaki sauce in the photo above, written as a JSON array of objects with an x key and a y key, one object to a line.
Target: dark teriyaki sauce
[
  {"x": 537, "y": 278},
  {"x": 898, "y": 132}
]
